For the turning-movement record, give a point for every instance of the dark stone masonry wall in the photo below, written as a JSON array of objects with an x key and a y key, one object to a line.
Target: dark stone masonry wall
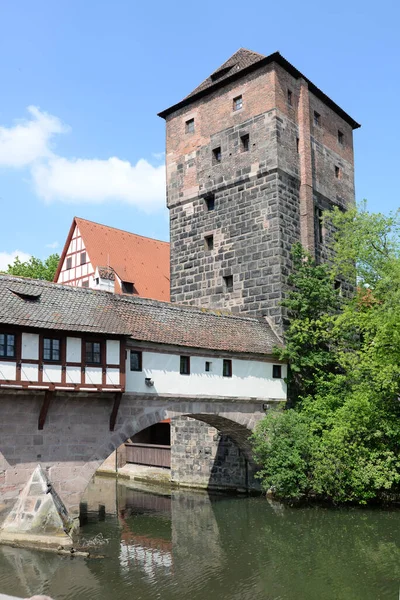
[
  {"x": 202, "y": 456},
  {"x": 254, "y": 225}
]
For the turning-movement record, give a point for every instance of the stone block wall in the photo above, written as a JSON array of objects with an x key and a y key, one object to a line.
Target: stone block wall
[{"x": 203, "y": 456}]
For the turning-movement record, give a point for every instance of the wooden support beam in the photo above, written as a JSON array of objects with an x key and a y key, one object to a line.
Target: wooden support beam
[
  {"x": 114, "y": 413},
  {"x": 48, "y": 396}
]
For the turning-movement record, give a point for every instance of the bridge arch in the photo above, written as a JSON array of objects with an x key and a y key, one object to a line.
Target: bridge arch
[{"x": 234, "y": 420}]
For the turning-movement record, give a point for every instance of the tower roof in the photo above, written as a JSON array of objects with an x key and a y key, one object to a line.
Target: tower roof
[
  {"x": 243, "y": 62},
  {"x": 237, "y": 62}
]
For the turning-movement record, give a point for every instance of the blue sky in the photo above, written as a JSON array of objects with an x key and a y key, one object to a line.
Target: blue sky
[{"x": 95, "y": 74}]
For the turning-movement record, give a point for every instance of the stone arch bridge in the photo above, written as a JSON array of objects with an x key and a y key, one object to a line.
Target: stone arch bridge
[{"x": 76, "y": 437}]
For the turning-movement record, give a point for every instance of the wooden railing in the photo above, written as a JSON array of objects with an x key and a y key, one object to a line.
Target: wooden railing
[{"x": 152, "y": 455}]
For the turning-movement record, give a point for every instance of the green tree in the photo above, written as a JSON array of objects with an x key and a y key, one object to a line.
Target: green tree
[
  {"x": 342, "y": 436},
  {"x": 35, "y": 268}
]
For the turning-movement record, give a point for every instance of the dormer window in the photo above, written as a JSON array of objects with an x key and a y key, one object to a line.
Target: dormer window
[
  {"x": 127, "y": 287},
  {"x": 238, "y": 103},
  {"x": 218, "y": 74}
]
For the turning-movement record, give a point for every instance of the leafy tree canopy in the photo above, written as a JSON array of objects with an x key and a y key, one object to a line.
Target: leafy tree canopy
[
  {"x": 340, "y": 440},
  {"x": 35, "y": 268}
]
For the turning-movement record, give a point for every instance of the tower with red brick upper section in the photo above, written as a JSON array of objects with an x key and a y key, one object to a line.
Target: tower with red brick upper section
[{"x": 253, "y": 157}]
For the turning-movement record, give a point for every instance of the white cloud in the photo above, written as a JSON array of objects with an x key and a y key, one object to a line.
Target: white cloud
[
  {"x": 77, "y": 180},
  {"x": 29, "y": 140},
  {"x": 95, "y": 181},
  {"x": 7, "y": 258},
  {"x": 52, "y": 245}
]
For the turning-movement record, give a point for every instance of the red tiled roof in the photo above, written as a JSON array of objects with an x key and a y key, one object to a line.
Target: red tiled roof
[{"x": 139, "y": 260}]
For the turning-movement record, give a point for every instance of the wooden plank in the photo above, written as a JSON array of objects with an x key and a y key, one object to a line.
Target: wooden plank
[
  {"x": 114, "y": 413},
  {"x": 48, "y": 396},
  {"x": 152, "y": 455}
]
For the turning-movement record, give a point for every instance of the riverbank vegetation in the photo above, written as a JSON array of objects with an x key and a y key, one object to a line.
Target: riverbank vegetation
[{"x": 339, "y": 439}]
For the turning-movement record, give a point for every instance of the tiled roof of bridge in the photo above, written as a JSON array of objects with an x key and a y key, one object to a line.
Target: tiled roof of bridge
[
  {"x": 33, "y": 303},
  {"x": 40, "y": 304}
]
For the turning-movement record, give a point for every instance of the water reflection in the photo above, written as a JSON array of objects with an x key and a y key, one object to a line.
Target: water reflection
[{"x": 181, "y": 544}]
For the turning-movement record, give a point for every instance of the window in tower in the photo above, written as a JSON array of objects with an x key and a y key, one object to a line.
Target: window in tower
[
  {"x": 319, "y": 225},
  {"x": 340, "y": 137},
  {"x": 238, "y": 103},
  {"x": 228, "y": 281},
  {"x": 317, "y": 118},
  {"x": 209, "y": 200},
  {"x": 338, "y": 172},
  {"x": 217, "y": 155},
  {"x": 289, "y": 97},
  {"x": 189, "y": 126},
  {"x": 245, "y": 142},
  {"x": 209, "y": 242}
]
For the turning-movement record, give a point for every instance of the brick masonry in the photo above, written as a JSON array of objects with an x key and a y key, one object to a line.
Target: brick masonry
[{"x": 265, "y": 197}]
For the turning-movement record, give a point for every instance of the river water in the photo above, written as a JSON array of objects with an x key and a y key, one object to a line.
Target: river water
[{"x": 185, "y": 545}]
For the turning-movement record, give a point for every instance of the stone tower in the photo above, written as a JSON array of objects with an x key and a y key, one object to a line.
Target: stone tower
[{"x": 253, "y": 157}]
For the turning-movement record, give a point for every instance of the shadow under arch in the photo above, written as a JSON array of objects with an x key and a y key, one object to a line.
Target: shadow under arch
[{"x": 235, "y": 421}]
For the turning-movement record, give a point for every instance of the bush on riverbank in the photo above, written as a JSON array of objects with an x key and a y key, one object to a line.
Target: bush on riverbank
[{"x": 340, "y": 438}]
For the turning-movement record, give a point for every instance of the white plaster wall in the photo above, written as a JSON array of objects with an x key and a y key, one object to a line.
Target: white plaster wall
[
  {"x": 73, "y": 375},
  {"x": 249, "y": 378},
  {"x": 52, "y": 373},
  {"x": 112, "y": 377},
  {"x": 112, "y": 352},
  {"x": 30, "y": 346},
  {"x": 74, "y": 349},
  {"x": 29, "y": 372},
  {"x": 93, "y": 376},
  {"x": 8, "y": 370}
]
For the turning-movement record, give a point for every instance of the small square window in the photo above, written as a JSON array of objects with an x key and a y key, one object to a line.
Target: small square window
[
  {"x": 93, "y": 353},
  {"x": 289, "y": 97},
  {"x": 217, "y": 155},
  {"x": 317, "y": 118},
  {"x": 209, "y": 201},
  {"x": 340, "y": 137},
  {"x": 69, "y": 263},
  {"x": 245, "y": 142},
  {"x": 51, "y": 349},
  {"x": 337, "y": 172},
  {"x": 227, "y": 368},
  {"x": 228, "y": 281},
  {"x": 85, "y": 283},
  {"x": 136, "y": 361},
  {"x": 277, "y": 371},
  {"x": 83, "y": 258},
  {"x": 185, "y": 365},
  {"x": 7, "y": 345},
  {"x": 208, "y": 366},
  {"x": 209, "y": 242},
  {"x": 238, "y": 103},
  {"x": 189, "y": 126}
]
